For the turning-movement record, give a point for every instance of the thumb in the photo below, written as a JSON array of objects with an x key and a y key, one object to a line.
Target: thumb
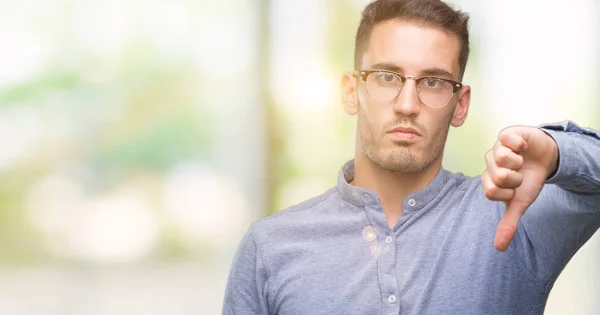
[{"x": 507, "y": 227}]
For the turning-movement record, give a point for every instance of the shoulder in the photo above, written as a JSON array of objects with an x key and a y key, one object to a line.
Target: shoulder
[
  {"x": 311, "y": 205},
  {"x": 295, "y": 216},
  {"x": 467, "y": 192},
  {"x": 463, "y": 183},
  {"x": 470, "y": 200}
]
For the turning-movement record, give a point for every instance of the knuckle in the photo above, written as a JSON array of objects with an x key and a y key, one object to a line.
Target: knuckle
[
  {"x": 501, "y": 177},
  {"x": 504, "y": 175},
  {"x": 501, "y": 157},
  {"x": 519, "y": 161},
  {"x": 490, "y": 191},
  {"x": 488, "y": 194},
  {"x": 519, "y": 180},
  {"x": 504, "y": 133}
]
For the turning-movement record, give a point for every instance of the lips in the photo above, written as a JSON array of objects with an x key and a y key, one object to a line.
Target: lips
[
  {"x": 405, "y": 130},
  {"x": 404, "y": 134}
]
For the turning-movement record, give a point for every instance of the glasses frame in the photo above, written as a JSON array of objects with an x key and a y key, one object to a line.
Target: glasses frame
[{"x": 456, "y": 86}]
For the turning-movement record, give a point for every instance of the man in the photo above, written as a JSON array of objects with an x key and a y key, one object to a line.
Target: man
[{"x": 401, "y": 235}]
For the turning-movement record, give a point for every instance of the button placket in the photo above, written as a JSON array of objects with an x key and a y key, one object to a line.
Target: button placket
[
  {"x": 380, "y": 238},
  {"x": 387, "y": 273}
]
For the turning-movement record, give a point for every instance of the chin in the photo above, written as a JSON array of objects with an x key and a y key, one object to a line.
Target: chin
[
  {"x": 400, "y": 160},
  {"x": 403, "y": 144},
  {"x": 403, "y": 167}
]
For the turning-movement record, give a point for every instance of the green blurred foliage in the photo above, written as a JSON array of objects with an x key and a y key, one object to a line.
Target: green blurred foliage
[{"x": 157, "y": 122}]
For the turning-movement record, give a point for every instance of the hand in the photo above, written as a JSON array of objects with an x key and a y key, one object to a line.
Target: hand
[{"x": 516, "y": 169}]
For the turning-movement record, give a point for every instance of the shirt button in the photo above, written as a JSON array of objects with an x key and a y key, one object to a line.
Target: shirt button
[
  {"x": 392, "y": 298},
  {"x": 388, "y": 239},
  {"x": 412, "y": 202}
]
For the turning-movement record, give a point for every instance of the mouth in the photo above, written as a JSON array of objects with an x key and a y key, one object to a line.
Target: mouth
[
  {"x": 404, "y": 134},
  {"x": 405, "y": 130}
]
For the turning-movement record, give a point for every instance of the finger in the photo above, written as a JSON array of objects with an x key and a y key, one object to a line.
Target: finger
[
  {"x": 506, "y": 178},
  {"x": 505, "y": 157},
  {"x": 493, "y": 192},
  {"x": 500, "y": 176},
  {"x": 508, "y": 225},
  {"x": 513, "y": 141}
]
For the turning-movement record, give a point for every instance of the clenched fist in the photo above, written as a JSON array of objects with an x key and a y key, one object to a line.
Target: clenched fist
[{"x": 516, "y": 169}]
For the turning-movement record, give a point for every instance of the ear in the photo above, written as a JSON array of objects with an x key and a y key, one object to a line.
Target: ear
[
  {"x": 349, "y": 89},
  {"x": 462, "y": 106}
]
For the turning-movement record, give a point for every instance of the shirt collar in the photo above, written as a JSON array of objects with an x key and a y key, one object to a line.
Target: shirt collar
[{"x": 363, "y": 197}]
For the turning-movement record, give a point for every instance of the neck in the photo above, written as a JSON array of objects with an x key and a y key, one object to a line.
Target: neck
[{"x": 391, "y": 187}]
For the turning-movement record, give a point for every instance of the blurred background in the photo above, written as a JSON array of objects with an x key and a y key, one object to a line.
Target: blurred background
[{"x": 139, "y": 139}]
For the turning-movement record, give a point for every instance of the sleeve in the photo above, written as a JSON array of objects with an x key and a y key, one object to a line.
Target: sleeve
[
  {"x": 245, "y": 291},
  {"x": 567, "y": 212}
]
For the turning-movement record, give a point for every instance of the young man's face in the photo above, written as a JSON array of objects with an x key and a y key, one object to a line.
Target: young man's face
[{"x": 410, "y": 50}]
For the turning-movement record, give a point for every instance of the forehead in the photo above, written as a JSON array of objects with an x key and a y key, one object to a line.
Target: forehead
[{"x": 412, "y": 48}]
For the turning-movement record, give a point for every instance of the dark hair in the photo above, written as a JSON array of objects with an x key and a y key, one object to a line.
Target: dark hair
[{"x": 423, "y": 12}]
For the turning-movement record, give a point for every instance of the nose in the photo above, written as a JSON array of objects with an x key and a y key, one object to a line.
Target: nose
[{"x": 407, "y": 103}]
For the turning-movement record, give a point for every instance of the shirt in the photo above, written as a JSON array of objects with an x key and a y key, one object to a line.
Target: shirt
[{"x": 336, "y": 253}]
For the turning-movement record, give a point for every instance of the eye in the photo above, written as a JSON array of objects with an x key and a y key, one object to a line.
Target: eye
[
  {"x": 432, "y": 83},
  {"x": 387, "y": 79}
]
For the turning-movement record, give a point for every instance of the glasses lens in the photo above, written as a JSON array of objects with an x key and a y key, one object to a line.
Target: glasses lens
[
  {"x": 383, "y": 86},
  {"x": 434, "y": 92}
]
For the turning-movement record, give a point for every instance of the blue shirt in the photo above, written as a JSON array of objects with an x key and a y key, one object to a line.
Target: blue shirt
[{"x": 336, "y": 253}]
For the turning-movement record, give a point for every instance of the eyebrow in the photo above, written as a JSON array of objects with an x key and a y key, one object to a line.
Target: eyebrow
[
  {"x": 438, "y": 72},
  {"x": 387, "y": 66}
]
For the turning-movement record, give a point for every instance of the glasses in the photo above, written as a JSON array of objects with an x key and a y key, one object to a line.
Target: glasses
[{"x": 385, "y": 86}]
